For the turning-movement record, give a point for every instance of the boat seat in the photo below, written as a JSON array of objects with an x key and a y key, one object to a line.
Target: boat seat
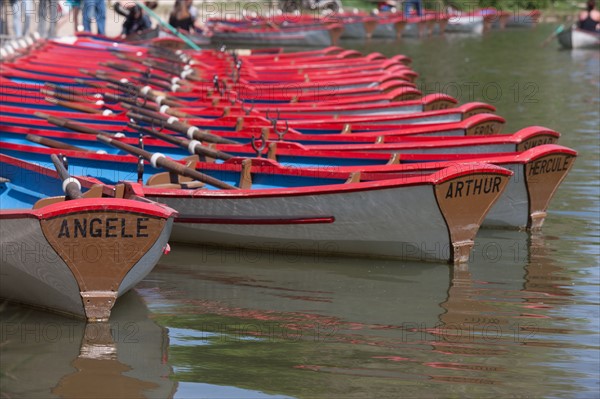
[
  {"x": 239, "y": 124},
  {"x": 119, "y": 191},
  {"x": 354, "y": 178},
  {"x": 272, "y": 154},
  {"x": 394, "y": 159},
  {"x": 246, "y": 175},
  {"x": 210, "y": 146},
  {"x": 94, "y": 192},
  {"x": 163, "y": 179}
]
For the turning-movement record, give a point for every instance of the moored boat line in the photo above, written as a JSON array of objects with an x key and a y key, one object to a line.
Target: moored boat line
[{"x": 278, "y": 161}]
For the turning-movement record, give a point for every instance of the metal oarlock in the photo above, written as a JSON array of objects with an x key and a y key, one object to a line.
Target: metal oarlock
[
  {"x": 64, "y": 161},
  {"x": 247, "y": 110},
  {"x": 216, "y": 82},
  {"x": 272, "y": 120},
  {"x": 140, "y": 163},
  {"x": 263, "y": 143},
  {"x": 140, "y": 170},
  {"x": 281, "y": 133}
]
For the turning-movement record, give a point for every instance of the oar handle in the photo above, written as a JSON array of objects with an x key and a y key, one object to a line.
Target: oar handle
[
  {"x": 53, "y": 143},
  {"x": 77, "y": 106},
  {"x": 159, "y": 160},
  {"x": 190, "y": 131},
  {"x": 62, "y": 122},
  {"x": 70, "y": 185},
  {"x": 134, "y": 105},
  {"x": 67, "y": 96},
  {"x": 193, "y": 146},
  {"x": 554, "y": 33}
]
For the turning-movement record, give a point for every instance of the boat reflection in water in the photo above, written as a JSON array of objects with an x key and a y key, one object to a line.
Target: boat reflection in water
[
  {"x": 45, "y": 355},
  {"x": 347, "y": 327},
  {"x": 223, "y": 323}
]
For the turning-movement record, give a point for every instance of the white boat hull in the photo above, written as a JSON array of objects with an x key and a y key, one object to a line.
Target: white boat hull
[
  {"x": 33, "y": 273},
  {"x": 574, "y": 38},
  {"x": 375, "y": 219}
]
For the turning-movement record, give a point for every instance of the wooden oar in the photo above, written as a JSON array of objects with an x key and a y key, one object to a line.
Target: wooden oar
[
  {"x": 196, "y": 146},
  {"x": 161, "y": 112},
  {"x": 53, "y": 143},
  {"x": 120, "y": 67},
  {"x": 159, "y": 160},
  {"x": 69, "y": 124},
  {"x": 68, "y": 92},
  {"x": 182, "y": 73},
  {"x": 557, "y": 31},
  {"x": 130, "y": 103},
  {"x": 101, "y": 75},
  {"x": 168, "y": 26},
  {"x": 67, "y": 96},
  {"x": 152, "y": 95},
  {"x": 78, "y": 106},
  {"x": 190, "y": 131},
  {"x": 70, "y": 185}
]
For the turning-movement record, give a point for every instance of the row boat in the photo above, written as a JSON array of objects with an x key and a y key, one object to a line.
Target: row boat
[
  {"x": 574, "y": 38},
  {"x": 538, "y": 172},
  {"x": 268, "y": 34},
  {"x": 238, "y": 129},
  {"x": 519, "y": 141},
  {"x": 77, "y": 256},
  {"x": 310, "y": 210}
]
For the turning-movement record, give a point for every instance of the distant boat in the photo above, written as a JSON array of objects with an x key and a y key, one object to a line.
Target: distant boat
[
  {"x": 308, "y": 34},
  {"x": 74, "y": 257},
  {"x": 575, "y": 38},
  {"x": 466, "y": 24}
]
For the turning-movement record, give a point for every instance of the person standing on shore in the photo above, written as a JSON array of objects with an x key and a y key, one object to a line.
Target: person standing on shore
[
  {"x": 49, "y": 12},
  {"x": 75, "y": 6},
  {"x": 94, "y": 10},
  {"x": 590, "y": 18},
  {"x": 21, "y": 10}
]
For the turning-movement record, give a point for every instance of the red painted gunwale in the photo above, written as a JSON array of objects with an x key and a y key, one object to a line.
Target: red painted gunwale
[
  {"x": 451, "y": 170},
  {"x": 80, "y": 205}
]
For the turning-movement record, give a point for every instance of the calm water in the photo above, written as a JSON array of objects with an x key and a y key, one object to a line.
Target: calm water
[{"x": 522, "y": 320}]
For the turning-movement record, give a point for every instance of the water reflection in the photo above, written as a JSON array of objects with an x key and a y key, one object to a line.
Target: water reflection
[
  {"x": 44, "y": 355},
  {"x": 235, "y": 323},
  {"x": 347, "y": 327}
]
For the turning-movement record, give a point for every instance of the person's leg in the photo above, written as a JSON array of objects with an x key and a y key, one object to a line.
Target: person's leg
[
  {"x": 101, "y": 16},
  {"x": 17, "y": 14},
  {"x": 28, "y": 9},
  {"x": 42, "y": 16},
  {"x": 87, "y": 10},
  {"x": 54, "y": 16},
  {"x": 76, "y": 18}
]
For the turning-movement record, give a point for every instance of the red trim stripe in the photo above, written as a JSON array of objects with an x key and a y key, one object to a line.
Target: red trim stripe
[{"x": 258, "y": 221}]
